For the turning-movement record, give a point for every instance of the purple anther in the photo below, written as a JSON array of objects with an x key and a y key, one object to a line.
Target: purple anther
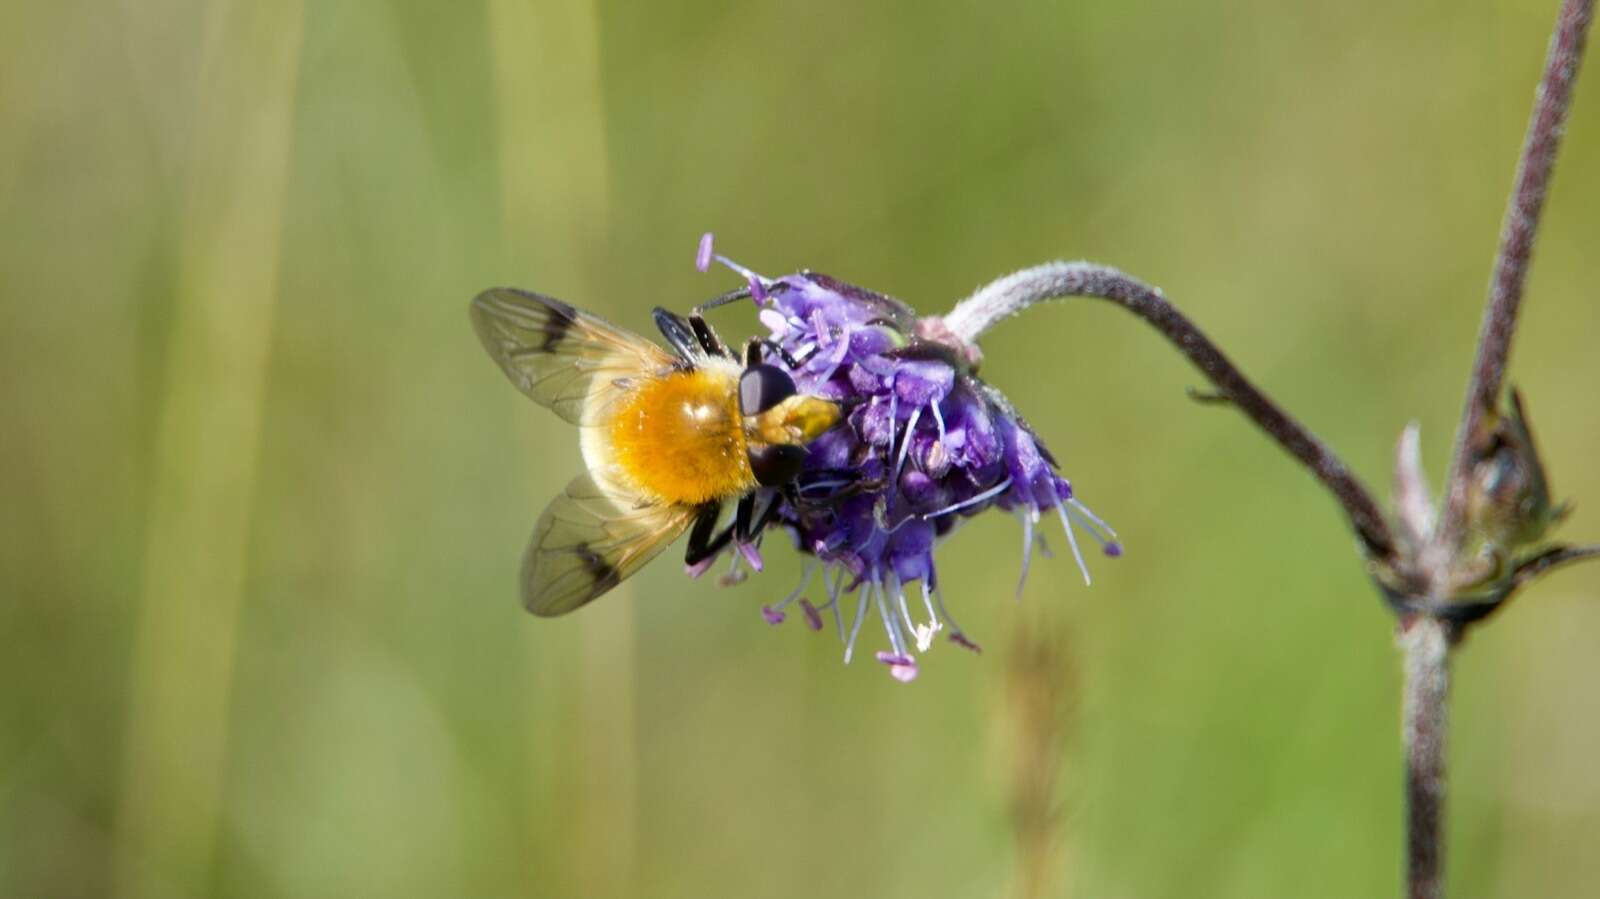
[
  {"x": 960, "y": 639},
  {"x": 751, "y": 554},
  {"x": 813, "y": 617},
  {"x": 702, "y": 256},
  {"x": 902, "y": 668}
]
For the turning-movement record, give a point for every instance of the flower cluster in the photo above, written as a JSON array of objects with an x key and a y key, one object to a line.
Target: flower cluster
[{"x": 925, "y": 445}]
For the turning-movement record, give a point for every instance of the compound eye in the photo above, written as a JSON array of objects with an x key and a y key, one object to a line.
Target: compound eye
[
  {"x": 777, "y": 464},
  {"x": 763, "y": 386}
]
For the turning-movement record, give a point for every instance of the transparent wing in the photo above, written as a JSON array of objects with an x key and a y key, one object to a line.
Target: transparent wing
[
  {"x": 563, "y": 358},
  {"x": 588, "y": 540}
]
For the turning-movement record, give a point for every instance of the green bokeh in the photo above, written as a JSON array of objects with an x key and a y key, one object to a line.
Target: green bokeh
[{"x": 1319, "y": 187}]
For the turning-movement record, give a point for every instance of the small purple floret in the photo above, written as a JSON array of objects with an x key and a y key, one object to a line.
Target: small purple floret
[
  {"x": 700, "y": 567},
  {"x": 1114, "y": 549},
  {"x": 772, "y": 615}
]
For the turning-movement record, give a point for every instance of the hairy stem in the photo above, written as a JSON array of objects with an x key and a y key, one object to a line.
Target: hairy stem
[
  {"x": 1545, "y": 128},
  {"x": 1053, "y": 280},
  {"x": 1425, "y": 642},
  {"x": 1552, "y": 558}
]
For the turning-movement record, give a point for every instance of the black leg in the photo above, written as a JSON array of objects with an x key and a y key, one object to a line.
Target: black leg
[
  {"x": 702, "y": 545},
  {"x": 784, "y": 354},
  {"x": 841, "y": 483},
  {"x": 732, "y": 296},
  {"x": 743, "y": 514},
  {"x": 753, "y": 348},
  {"x": 677, "y": 332},
  {"x": 741, "y": 293},
  {"x": 756, "y": 511},
  {"x": 707, "y": 338},
  {"x": 764, "y": 508}
]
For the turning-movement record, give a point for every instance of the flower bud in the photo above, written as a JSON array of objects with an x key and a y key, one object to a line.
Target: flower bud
[{"x": 1508, "y": 496}]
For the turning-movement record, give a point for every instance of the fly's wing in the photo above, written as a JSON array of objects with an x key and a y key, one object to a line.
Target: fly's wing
[
  {"x": 563, "y": 358},
  {"x": 588, "y": 540}
]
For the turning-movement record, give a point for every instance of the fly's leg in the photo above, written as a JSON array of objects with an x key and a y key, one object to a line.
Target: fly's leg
[
  {"x": 741, "y": 293},
  {"x": 690, "y": 338},
  {"x": 677, "y": 332},
  {"x": 702, "y": 544},
  {"x": 756, "y": 510},
  {"x": 753, "y": 353},
  {"x": 707, "y": 338},
  {"x": 841, "y": 484}
]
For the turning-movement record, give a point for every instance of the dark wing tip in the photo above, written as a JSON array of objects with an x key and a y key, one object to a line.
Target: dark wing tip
[
  {"x": 510, "y": 323},
  {"x": 590, "y": 578},
  {"x": 585, "y": 544}
]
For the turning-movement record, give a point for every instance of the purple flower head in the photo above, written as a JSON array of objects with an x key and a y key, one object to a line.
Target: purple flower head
[{"x": 925, "y": 444}]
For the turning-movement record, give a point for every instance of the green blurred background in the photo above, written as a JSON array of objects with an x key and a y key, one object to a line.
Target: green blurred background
[{"x": 262, "y": 495}]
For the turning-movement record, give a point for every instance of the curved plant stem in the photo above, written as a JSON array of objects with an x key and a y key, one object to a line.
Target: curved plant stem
[
  {"x": 1053, "y": 280},
  {"x": 1545, "y": 128}
]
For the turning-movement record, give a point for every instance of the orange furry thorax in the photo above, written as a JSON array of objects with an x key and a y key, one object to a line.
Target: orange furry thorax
[{"x": 680, "y": 438}]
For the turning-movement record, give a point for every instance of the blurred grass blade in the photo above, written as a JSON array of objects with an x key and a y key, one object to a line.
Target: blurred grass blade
[
  {"x": 204, "y": 474},
  {"x": 1034, "y": 725},
  {"x": 555, "y": 189},
  {"x": 553, "y": 160}
]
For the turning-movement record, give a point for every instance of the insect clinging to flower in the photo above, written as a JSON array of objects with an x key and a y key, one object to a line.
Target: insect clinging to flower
[
  {"x": 667, "y": 439},
  {"x": 857, "y": 427}
]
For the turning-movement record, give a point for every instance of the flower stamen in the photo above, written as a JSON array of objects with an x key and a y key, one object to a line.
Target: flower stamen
[
  {"x": 905, "y": 442},
  {"x": 890, "y": 623},
  {"x": 957, "y": 635},
  {"x": 1072, "y": 540},
  {"x": 774, "y": 613},
  {"x": 855, "y": 629},
  {"x": 905, "y": 611},
  {"x": 902, "y": 667},
  {"x": 752, "y": 555},
  {"x": 1105, "y": 533},
  {"x": 1029, "y": 516},
  {"x": 833, "y": 601},
  {"x": 735, "y": 575},
  {"x": 970, "y": 501},
  {"x": 813, "y": 617},
  {"x": 702, "y": 255}
]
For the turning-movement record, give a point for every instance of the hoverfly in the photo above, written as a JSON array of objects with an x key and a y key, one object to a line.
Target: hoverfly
[{"x": 667, "y": 438}]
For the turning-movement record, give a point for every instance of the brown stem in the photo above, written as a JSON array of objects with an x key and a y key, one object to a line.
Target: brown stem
[
  {"x": 1426, "y": 644},
  {"x": 1545, "y": 128},
  {"x": 1054, "y": 280}
]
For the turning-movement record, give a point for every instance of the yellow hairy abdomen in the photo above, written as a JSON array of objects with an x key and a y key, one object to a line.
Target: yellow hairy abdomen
[{"x": 680, "y": 438}]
